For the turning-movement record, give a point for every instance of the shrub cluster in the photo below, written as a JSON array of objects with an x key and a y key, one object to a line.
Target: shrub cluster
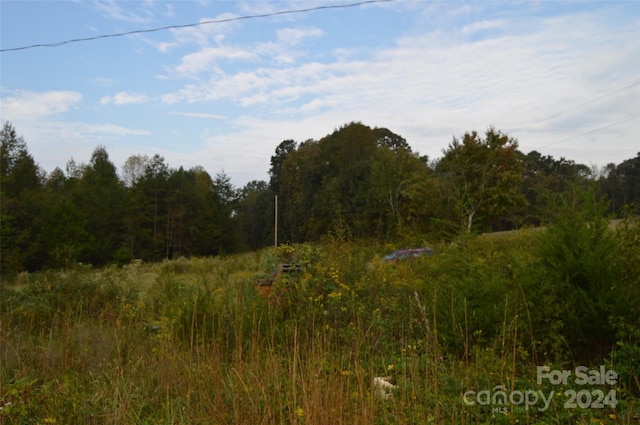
[{"x": 199, "y": 341}]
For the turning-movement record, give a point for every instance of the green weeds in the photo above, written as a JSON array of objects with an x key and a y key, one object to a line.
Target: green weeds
[{"x": 194, "y": 341}]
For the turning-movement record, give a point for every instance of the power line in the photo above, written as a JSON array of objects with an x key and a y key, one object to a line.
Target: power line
[
  {"x": 591, "y": 131},
  {"x": 214, "y": 21},
  {"x": 575, "y": 107}
]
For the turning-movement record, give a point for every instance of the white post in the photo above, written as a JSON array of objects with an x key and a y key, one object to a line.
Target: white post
[{"x": 275, "y": 233}]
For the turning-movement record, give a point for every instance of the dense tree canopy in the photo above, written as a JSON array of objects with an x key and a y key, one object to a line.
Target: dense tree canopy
[
  {"x": 367, "y": 182},
  {"x": 621, "y": 183},
  {"x": 482, "y": 178},
  {"x": 20, "y": 206}
]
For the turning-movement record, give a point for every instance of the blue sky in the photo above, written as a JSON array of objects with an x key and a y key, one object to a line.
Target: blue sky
[{"x": 561, "y": 77}]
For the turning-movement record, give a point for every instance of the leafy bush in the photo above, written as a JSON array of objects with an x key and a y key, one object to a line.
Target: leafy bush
[
  {"x": 584, "y": 279},
  {"x": 191, "y": 341}
]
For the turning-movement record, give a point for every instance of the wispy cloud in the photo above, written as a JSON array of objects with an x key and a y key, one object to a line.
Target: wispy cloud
[
  {"x": 206, "y": 34},
  {"x": 123, "y": 98},
  {"x": 426, "y": 70},
  {"x": 214, "y": 48},
  {"x": 27, "y": 105},
  {"x": 433, "y": 85},
  {"x": 199, "y": 115},
  {"x": 169, "y": 11},
  {"x": 110, "y": 129},
  {"x": 483, "y": 25},
  {"x": 103, "y": 81},
  {"x": 294, "y": 36},
  {"x": 114, "y": 10},
  {"x": 207, "y": 59}
]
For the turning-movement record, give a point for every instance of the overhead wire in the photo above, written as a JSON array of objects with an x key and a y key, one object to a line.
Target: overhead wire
[
  {"x": 195, "y": 24},
  {"x": 557, "y": 114},
  {"x": 595, "y": 130},
  {"x": 311, "y": 9}
]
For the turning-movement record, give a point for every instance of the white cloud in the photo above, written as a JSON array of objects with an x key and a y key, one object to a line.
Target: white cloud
[
  {"x": 234, "y": 87},
  {"x": 199, "y": 115},
  {"x": 160, "y": 46},
  {"x": 103, "y": 81},
  {"x": 26, "y": 105},
  {"x": 432, "y": 86},
  {"x": 464, "y": 66},
  {"x": 123, "y": 98},
  {"x": 255, "y": 99},
  {"x": 483, "y": 25},
  {"x": 209, "y": 31},
  {"x": 208, "y": 58},
  {"x": 169, "y": 11},
  {"x": 294, "y": 36},
  {"x": 114, "y": 10},
  {"x": 109, "y": 129}
]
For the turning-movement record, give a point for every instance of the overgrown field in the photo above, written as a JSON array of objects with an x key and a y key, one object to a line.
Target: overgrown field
[{"x": 194, "y": 341}]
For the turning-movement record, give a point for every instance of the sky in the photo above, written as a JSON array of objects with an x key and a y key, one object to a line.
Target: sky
[{"x": 561, "y": 77}]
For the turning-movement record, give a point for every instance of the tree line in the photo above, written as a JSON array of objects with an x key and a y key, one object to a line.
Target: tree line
[{"x": 367, "y": 182}]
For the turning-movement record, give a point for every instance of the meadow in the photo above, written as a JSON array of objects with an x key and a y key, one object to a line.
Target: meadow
[{"x": 196, "y": 341}]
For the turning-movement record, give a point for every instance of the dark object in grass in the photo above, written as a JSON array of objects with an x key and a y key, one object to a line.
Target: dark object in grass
[
  {"x": 407, "y": 254},
  {"x": 285, "y": 270}
]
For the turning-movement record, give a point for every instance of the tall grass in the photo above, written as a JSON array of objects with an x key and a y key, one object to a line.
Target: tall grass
[{"x": 195, "y": 341}]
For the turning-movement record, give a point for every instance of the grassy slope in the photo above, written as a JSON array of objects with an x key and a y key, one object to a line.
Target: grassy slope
[{"x": 193, "y": 341}]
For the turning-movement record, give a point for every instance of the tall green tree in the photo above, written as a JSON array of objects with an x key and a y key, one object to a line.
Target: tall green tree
[
  {"x": 400, "y": 180},
  {"x": 225, "y": 216},
  {"x": 275, "y": 171},
  {"x": 481, "y": 178},
  {"x": 177, "y": 208},
  {"x": 621, "y": 184},
  {"x": 21, "y": 184},
  {"x": 147, "y": 207},
  {"x": 545, "y": 177},
  {"x": 256, "y": 215},
  {"x": 65, "y": 228},
  {"x": 629, "y": 175},
  {"x": 366, "y": 179},
  {"x": 301, "y": 180},
  {"x": 206, "y": 233},
  {"x": 345, "y": 163},
  {"x": 276, "y": 176},
  {"x": 101, "y": 200},
  {"x": 18, "y": 169},
  {"x": 584, "y": 273},
  {"x": 389, "y": 139}
]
